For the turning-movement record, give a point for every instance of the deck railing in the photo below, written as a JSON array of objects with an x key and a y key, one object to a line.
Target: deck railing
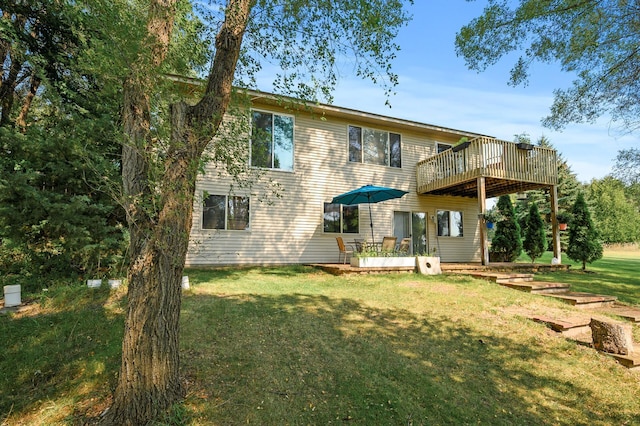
[{"x": 487, "y": 157}]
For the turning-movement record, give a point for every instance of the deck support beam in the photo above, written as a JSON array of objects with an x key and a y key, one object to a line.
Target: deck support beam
[
  {"x": 482, "y": 201},
  {"x": 557, "y": 253}
]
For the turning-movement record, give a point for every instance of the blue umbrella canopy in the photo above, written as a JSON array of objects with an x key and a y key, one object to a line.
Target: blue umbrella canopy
[{"x": 368, "y": 194}]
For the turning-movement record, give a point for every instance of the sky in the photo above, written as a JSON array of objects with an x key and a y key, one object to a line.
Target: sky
[{"x": 435, "y": 87}]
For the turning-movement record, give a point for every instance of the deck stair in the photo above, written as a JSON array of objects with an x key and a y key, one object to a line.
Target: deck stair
[
  {"x": 574, "y": 326},
  {"x": 525, "y": 282},
  {"x": 629, "y": 313},
  {"x": 631, "y": 361},
  {"x": 585, "y": 300}
]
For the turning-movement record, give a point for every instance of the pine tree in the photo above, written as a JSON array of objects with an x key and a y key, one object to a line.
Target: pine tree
[
  {"x": 507, "y": 242},
  {"x": 568, "y": 187},
  {"x": 535, "y": 240},
  {"x": 584, "y": 243}
]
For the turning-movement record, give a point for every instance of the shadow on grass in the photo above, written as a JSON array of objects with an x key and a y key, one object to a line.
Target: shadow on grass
[
  {"x": 232, "y": 272},
  {"x": 300, "y": 359},
  {"x": 47, "y": 357}
]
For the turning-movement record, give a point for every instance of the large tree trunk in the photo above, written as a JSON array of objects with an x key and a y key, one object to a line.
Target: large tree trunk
[
  {"x": 160, "y": 217},
  {"x": 149, "y": 380}
]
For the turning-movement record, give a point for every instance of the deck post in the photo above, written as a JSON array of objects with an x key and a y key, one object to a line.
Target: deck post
[
  {"x": 554, "y": 223},
  {"x": 484, "y": 243}
]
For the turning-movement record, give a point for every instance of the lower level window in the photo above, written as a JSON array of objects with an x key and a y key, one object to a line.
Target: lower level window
[
  {"x": 341, "y": 219},
  {"x": 449, "y": 223},
  {"x": 225, "y": 212}
]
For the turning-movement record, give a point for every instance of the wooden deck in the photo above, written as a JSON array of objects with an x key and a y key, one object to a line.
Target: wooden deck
[
  {"x": 506, "y": 166},
  {"x": 447, "y": 268}
]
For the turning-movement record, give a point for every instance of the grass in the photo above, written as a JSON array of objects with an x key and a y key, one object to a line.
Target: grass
[
  {"x": 293, "y": 345},
  {"x": 59, "y": 355}
]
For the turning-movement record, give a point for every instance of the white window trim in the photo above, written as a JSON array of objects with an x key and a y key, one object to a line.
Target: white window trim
[
  {"x": 341, "y": 221},
  {"x": 293, "y": 147},
  {"x": 226, "y": 213},
  {"x": 362, "y": 147},
  {"x": 449, "y": 213}
]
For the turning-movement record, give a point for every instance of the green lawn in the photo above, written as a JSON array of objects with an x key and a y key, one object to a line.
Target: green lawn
[{"x": 292, "y": 345}]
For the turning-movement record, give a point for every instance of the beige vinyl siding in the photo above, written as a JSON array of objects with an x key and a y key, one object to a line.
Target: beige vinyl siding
[{"x": 290, "y": 229}]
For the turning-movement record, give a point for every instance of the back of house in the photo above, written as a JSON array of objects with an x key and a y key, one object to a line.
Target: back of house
[{"x": 304, "y": 155}]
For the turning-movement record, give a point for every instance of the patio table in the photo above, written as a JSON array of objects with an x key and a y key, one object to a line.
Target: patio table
[{"x": 367, "y": 246}]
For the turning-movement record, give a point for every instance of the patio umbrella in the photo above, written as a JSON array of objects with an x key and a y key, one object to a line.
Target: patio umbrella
[{"x": 368, "y": 194}]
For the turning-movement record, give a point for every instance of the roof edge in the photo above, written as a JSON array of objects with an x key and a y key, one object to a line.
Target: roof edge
[{"x": 321, "y": 108}]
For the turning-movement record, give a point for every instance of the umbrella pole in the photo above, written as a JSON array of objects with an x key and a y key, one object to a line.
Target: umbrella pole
[{"x": 371, "y": 224}]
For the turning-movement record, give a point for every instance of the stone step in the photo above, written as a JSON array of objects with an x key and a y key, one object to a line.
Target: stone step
[
  {"x": 584, "y": 300},
  {"x": 629, "y": 313},
  {"x": 538, "y": 287},
  {"x": 632, "y": 361},
  {"x": 503, "y": 277},
  {"x": 519, "y": 278},
  {"x": 570, "y": 327}
]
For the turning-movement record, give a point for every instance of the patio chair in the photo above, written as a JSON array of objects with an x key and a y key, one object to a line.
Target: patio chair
[
  {"x": 404, "y": 246},
  {"x": 343, "y": 250},
  {"x": 388, "y": 244}
]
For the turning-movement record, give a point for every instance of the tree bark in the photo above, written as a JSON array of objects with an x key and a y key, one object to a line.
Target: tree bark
[
  {"x": 612, "y": 337},
  {"x": 160, "y": 217},
  {"x": 13, "y": 62},
  {"x": 21, "y": 120}
]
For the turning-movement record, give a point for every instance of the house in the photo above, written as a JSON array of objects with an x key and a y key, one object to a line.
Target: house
[{"x": 316, "y": 152}]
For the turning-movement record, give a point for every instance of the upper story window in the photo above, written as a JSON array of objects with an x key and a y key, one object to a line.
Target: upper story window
[
  {"x": 374, "y": 147},
  {"x": 225, "y": 212},
  {"x": 449, "y": 223},
  {"x": 442, "y": 147},
  {"x": 341, "y": 219},
  {"x": 272, "y": 141}
]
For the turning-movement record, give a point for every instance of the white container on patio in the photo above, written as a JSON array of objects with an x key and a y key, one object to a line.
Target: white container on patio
[{"x": 383, "y": 262}]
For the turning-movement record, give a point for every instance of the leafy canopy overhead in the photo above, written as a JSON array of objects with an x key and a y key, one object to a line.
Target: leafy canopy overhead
[
  {"x": 598, "y": 41},
  {"x": 307, "y": 44},
  {"x": 627, "y": 167}
]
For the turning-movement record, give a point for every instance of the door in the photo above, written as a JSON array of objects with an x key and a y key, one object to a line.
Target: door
[
  {"x": 401, "y": 225},
  {"x": 419, "y": 233},
  {"x": 412, "y": 225}
]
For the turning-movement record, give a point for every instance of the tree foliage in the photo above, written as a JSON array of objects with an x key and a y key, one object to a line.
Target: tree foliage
[
  {"x": 55, "y": 218},
  {"x": 535, "y": 240},
  {"x": 627, "y": 167},
  {"x": 307, "y": 45},
  {"x": 506, "y": 245},
  {"x": 627, "y": 170},
  {"x": 598, "y": 41},
  {"x": 616, "y": 216},
  {"x": 59, "y": 140},
  {"x": 584, "y": 242}
]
